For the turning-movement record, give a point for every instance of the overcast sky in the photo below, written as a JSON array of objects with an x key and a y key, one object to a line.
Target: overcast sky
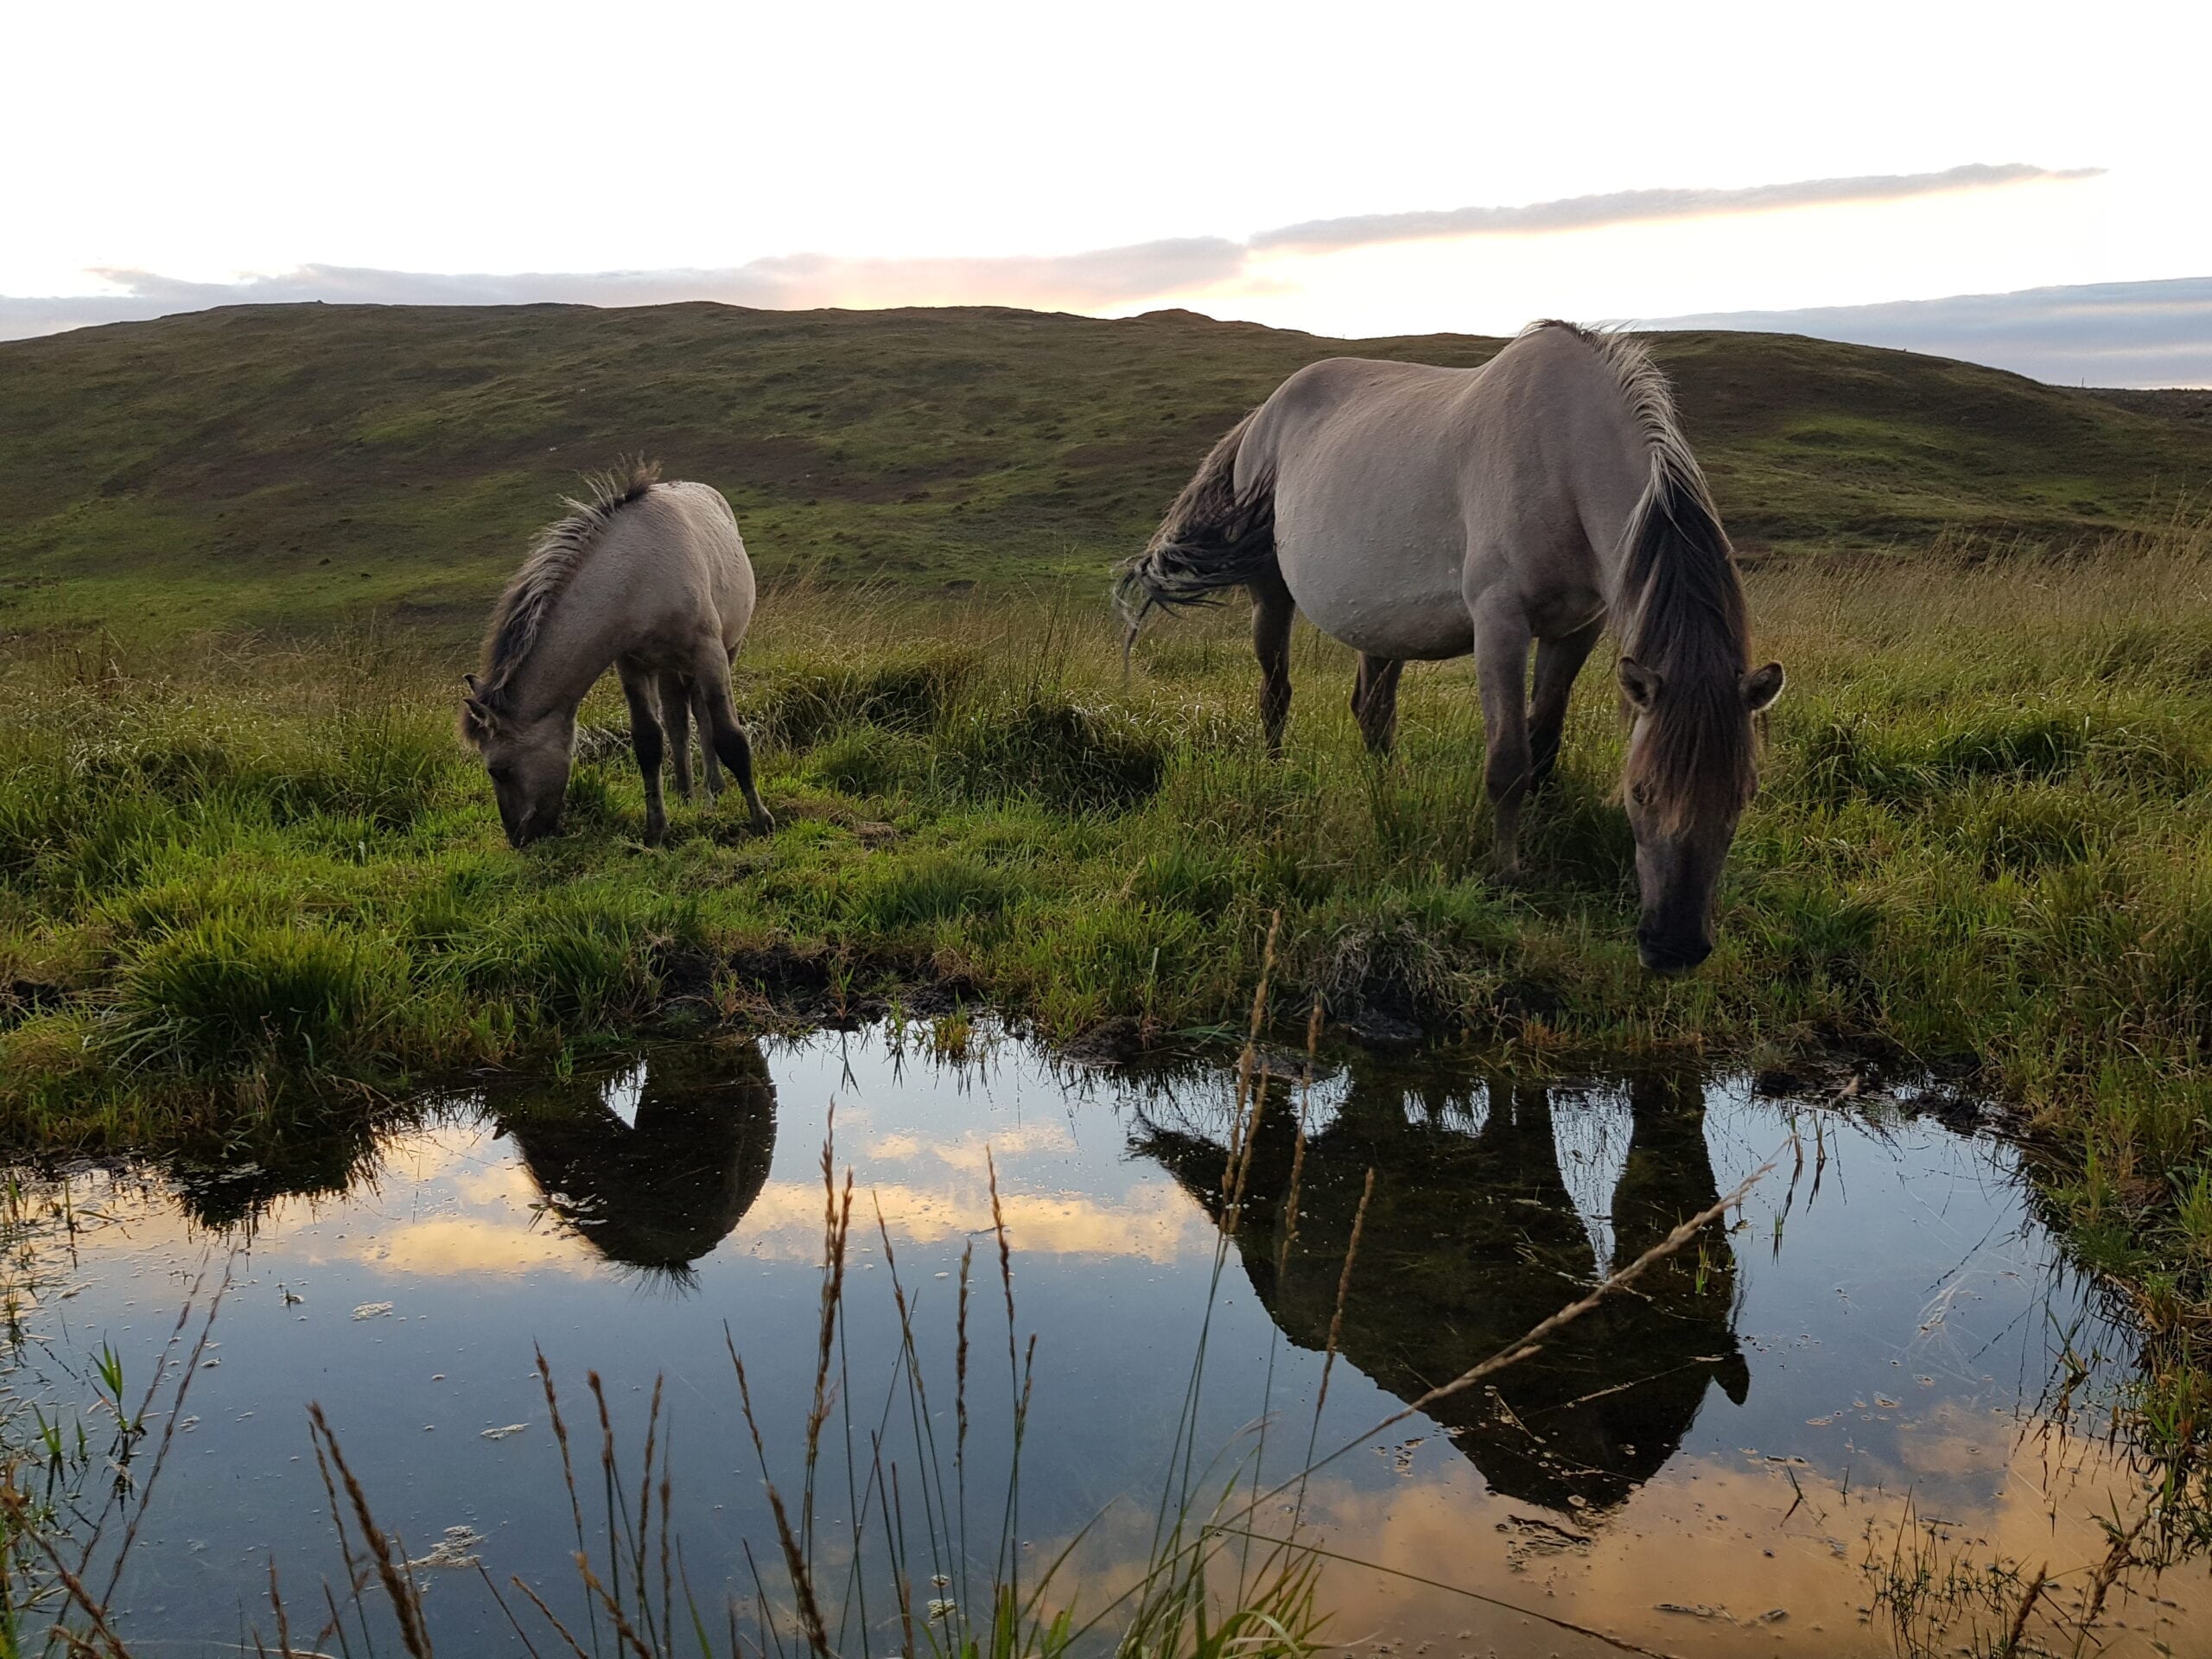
[{"x": 1381, "y": 167}]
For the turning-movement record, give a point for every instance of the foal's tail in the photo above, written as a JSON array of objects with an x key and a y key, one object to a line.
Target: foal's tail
[{"x": 1213, "y": 538}]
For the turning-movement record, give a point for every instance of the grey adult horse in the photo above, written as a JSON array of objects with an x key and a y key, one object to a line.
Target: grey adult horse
[
  {"x": 651, "y": 578},
  {"x": 1421, "y": 513}
]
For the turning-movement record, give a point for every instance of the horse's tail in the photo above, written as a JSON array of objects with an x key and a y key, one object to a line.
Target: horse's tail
[{"x": 1214, "y": 538}]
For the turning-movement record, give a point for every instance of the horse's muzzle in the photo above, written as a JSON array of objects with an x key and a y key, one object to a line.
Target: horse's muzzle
[{"x": 1670, "y": 957}]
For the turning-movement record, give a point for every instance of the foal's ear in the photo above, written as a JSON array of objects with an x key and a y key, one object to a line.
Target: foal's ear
[
  {"x": 1761, "y": 687},
  {"x": 1639, "y": 684}
]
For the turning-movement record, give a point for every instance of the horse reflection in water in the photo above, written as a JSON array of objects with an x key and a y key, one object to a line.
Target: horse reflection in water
[
  {"x": 1471, "y": 1238},
  {"x": 660, "y": 1191}
]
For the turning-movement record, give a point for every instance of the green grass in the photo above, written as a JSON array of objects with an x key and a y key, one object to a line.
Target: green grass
[
  {"x": 249, "y": 892},
  {"x": 286, "y": 468}
]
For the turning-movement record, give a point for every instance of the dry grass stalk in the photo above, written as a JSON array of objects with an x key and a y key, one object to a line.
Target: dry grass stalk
[
  {"x": 276, "y": 1606},
  {"x": 837, "y": 1227},
  {"x": 1235, "y": 1212},
  {"x": 521, "y": 1635},
  {"x": 1298, "y": 1144},
  {"x": 1344, "y": 1292},
  {"x": 1239, "y": 1120},
  {"x": 398, "y": 1588},
  {"x": 906, "y": 1584},
  {"x": 2018, "y": 1628},
  {"x": 1006, "y": 1262},
  {"x": 645, "y": 1508},
  {"x": 1543, "y": 1329},
  {"x": 960, "y": 1357},
  {"x": 810, "y": 1609},
  {"x": 17, "y": 1505},
  {"x": 623, "y": 1629},
  {"x": 567, "y": 1469},
  {"x": 608, "y": 1470},
  {"x": 1513, "y": 1352},
  {"x": 2108, "y": 1570}
]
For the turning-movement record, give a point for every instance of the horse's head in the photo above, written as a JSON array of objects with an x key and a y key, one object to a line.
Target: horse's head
[
  {"x": 528, "y": 758},
  {"x": 1691, "y": 772}
]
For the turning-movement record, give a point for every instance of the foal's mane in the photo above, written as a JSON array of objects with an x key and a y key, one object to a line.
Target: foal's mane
[
  {"x": 1679, "y": 610},
  {"x": 552, "y": 562}
]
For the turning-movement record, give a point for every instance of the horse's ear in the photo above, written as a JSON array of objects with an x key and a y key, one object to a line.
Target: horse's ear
[
  {"x": 1761, "y": 687},
  {"x": 1639, "y": 684},
  {"x": 477, "y": 719}
]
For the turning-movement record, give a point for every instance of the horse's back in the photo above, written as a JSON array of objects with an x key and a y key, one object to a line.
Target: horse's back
[
  {"x": 1401, "y": 488},
  {"x": 674, "y": 564}
]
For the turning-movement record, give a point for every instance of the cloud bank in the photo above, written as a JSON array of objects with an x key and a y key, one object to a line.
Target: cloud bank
[
  {"x": 1101, "y": 279},
  {"x": 1634, "y": 206},
  {"x": 2099, "y": 334}
]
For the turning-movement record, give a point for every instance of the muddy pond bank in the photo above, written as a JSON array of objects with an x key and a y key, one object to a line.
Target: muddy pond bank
[{"x": 1854, "y": 1416}]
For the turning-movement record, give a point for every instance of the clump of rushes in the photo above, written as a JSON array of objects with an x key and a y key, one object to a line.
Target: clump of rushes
[{"x": 240, "y": 893}]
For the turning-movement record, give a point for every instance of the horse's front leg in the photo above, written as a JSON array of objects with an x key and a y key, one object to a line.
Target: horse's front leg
[
  {"x": 676, "y": 716},
  {"x": 1375, "y": 701},
  {"x": 645, "y": 739},
  {"x": 1501, "y": 638},
  {"x": 1558, "y": 661},
  {"x": 1273, "y": 611}
]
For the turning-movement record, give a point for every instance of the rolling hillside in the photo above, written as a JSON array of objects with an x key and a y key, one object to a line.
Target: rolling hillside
[{"x": 288, "y": 466}]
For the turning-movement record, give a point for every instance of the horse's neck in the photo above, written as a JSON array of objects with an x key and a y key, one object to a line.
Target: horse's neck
[{"x": 567, "y": 658}]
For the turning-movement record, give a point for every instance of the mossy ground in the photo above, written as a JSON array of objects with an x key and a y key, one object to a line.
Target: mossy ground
[{"x": 248, "y": 888}]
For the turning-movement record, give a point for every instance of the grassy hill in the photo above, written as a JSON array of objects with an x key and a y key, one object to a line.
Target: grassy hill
[{"x": 282, "y": 467}]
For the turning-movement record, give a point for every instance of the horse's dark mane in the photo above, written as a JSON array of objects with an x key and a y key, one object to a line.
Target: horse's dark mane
[
  {"x": 552, "y": 562},
  {"x": 1678, "y": 611}
]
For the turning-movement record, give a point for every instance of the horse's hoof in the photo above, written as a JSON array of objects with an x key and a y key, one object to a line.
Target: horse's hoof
[
  {"x": 1511, "y": 877},
  {"x": 764, "y": 823}
]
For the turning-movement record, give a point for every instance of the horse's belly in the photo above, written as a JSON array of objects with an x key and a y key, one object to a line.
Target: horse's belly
[{"x": 1394, "y": 591}]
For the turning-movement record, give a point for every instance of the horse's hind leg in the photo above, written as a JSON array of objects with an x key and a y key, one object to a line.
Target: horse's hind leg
[
  {"x": 720, "y": 724},
  {"x": 676, "y": 716},
  {"x": 1375, "y": 701},
  {"x": 1558, "y": 661},
  {"x": 712, "y": 767},
  {"x": 1273, "y": 611},
  {"x": 638, "y": 691},
  {"x": 1501, "y": 637}
]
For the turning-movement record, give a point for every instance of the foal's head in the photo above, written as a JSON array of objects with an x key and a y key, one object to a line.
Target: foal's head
[
  {"x": 528, "y": 760},
  {"x": 1692, "y": 769}
]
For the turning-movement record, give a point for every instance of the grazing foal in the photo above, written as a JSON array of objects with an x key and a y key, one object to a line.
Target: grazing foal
[{"x": 651, "y": 578}]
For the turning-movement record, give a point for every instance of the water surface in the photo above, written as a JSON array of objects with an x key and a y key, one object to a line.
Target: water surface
[{"x": 1862, "y": 1368}]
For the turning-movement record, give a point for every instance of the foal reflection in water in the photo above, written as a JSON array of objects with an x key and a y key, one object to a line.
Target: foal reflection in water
[
  {"x": 1471, "y": 1238},
  {"x": 658, "y": 1191}
]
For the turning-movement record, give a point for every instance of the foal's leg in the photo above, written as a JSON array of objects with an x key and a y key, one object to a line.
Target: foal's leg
[
  {"x": 1273, "y": 611},
  {"x": 645, "y": 739},
  {"x": 1375, "y": 701},
  {"x": 708, "y": 763},
  {"x": 720, "y": 722},
  {"x": 1558, "y": 661},
  {"x": 1501, "y": 637},
  {"x": 675, "y": 715}
]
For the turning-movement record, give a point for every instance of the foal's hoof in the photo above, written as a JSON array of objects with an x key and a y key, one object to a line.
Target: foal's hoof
[
  {"x": 1513, "y": 878},
  {"x": 764, "y": 823}
]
